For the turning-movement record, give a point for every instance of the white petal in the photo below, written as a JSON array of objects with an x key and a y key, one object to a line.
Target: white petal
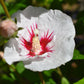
[
  {"x": 11, "y": 51},
  {"x": 25, "y": 16},
  {"x": 63, "y": 40}
]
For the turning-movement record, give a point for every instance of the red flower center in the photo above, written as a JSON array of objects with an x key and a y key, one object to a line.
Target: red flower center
[{"x": 37, "y": 46}]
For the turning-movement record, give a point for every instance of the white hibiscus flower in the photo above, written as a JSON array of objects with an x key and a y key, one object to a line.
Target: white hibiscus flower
[{"x": 46, "y": 42}]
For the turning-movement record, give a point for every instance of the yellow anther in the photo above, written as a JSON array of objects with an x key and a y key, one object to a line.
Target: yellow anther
[{"x": 36, "y": 45}]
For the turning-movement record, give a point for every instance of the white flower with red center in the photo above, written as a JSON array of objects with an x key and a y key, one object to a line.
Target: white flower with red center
[{"x": 46, "y": 42}]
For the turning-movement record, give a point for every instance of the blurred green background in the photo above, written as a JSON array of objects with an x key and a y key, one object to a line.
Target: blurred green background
[{"x": 70, "y": 73}]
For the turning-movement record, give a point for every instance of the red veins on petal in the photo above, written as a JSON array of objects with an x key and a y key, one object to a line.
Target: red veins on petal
[
  {"x": 44, "y": 40},
  {"x": 26, "y": 44},
  {"x": 31, "y": 33}
]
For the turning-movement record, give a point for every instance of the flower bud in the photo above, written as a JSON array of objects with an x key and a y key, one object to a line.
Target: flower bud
[
  {"x": 7, "y": 28},
  {"x": 1, "y": 54}
]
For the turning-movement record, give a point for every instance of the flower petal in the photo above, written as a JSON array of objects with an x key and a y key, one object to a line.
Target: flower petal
[
  {"x": 11, "y": 51},
  {"x": 25, "y": 16},
  {"x": 63, "y": 40}
]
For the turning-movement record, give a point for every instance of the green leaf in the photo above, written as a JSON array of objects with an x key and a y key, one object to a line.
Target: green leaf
[
  {"x": 52, "y": 81},
  {"x": 64, "y": 81},
  {"x": 48, "y": 73},
  {"x": 77, "y": 55},
  {"x": 80, "y": 81},
  {"x": 16, "y": 7},
  {"x": 20, "y": 67},
  {"x": 1, "y": 9},
  {"x": 12, "y": 76},
  {"x": 6, "y": 77}
]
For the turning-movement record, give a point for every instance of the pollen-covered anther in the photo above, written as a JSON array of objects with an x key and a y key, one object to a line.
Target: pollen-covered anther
[{"x": 36, "y": 48}]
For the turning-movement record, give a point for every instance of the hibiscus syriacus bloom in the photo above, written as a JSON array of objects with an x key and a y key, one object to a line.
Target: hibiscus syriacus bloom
[{"x": 46, "y": 42}]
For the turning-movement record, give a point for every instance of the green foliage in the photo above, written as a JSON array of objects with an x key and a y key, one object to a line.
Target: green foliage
[
  {"x": 56, "y": 4},
  {"x": 41, "y": 1},
  {"x": 80, "y": 81},
  {"x": 12, "y": 68},
  {"x": 30, "y": 75},
  {"x": 5, "y": 77},
  {"x": 64, "y": 81},
  {"x": 80, "y": 14},
  {"x": 17, "y": 7},
  {"x": 3, "y": 40},
  {"x": 12, "y": 76},
  {"x": 80, "y": 25},
  {"x": 50, "y": 81},
  {"x": 1, "y": 8},
  {"x": 20, "y": 67},
  {"x": 48, "y": 73},
  {"x": 13, "y": 7},
  {"x": 77, "y": 55}
]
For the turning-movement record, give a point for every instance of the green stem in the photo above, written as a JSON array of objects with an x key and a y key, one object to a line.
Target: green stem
[
  {"x": 41, "y": 78},
  {"x": 59, "y": 72},
  {"x": 5, "y": 8}
]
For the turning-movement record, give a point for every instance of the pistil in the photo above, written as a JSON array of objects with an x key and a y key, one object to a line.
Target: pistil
[{"x": 36, "y": 48}]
